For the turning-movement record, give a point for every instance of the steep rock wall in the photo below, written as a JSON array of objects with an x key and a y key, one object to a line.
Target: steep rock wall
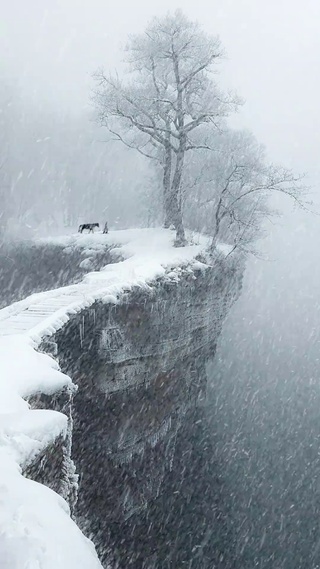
[
  {"x": 140, "y": 367},
  {"x": 54, "y": 466}
]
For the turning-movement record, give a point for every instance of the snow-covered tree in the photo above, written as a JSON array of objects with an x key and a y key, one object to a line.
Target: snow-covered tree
[
  {"x": 227, "y": 191},
  {"x": 168, "y": 97}
]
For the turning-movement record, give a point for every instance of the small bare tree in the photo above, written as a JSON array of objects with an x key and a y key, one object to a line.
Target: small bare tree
[
  {"x": 231, "y": 188},
  {"x": 170, "y": 95}
]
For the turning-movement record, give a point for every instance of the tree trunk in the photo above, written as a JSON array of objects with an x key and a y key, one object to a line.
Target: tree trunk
[
  {"x": 218, "y": 219},
  {"x": 175, "y": 198},
  {"x": 168, "y": 217},
  {"x": 178, "y": 223}
]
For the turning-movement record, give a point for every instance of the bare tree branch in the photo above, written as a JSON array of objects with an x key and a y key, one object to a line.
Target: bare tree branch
[{"x": 126, "y": 143}]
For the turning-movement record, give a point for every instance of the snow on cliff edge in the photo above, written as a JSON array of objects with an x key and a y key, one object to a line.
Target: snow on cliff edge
[{"x": 36, "y": 531}]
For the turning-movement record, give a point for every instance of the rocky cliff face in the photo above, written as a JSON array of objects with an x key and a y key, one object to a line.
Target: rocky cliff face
[{"x": 140, "y": 367}]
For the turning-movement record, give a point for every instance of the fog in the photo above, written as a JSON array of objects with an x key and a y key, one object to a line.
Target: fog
[{"x": 50, "y": 50}]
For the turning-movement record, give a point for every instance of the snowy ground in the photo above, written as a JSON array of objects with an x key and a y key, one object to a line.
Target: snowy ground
[
  {"x": 36, "y": 531},
  {"x": 147, "y": 253}
]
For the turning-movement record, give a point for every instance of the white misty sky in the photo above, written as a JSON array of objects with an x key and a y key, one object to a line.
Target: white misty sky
[
  {"x": 273, "y": 49},
  {"x": 52, "y": 47}
]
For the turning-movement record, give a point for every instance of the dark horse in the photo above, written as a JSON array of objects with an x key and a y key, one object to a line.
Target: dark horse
[{"x": 89, "y": 226}]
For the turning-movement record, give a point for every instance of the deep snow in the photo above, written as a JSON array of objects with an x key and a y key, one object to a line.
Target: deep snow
[{"x": 35, "y": 527}]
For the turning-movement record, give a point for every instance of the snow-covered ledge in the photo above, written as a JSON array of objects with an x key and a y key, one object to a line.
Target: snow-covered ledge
[
  {"x": 36, "y": 529},
  {"x": 35, "y": 525}
]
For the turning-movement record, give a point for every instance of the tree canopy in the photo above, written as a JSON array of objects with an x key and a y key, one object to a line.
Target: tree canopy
[{"x": 170, "y": 108}]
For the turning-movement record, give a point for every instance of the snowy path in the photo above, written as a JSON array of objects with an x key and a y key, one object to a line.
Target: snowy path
[
  {"x": 37, "y": 314},
  {"x": 148, "y": 254}
]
